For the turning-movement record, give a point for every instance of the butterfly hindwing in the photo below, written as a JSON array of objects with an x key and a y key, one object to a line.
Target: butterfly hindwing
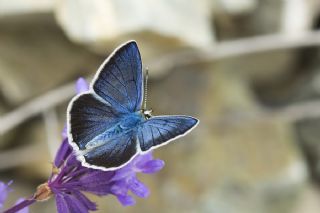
[
  {"x": 89, "y": 117},
  {"x": 114, "y": 152},
  {"x": 119, "y": 79},
  {"x": 159, "y": 130}
]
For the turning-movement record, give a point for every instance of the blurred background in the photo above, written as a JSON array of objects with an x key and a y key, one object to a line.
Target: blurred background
[{"x": 248, "y": 69}]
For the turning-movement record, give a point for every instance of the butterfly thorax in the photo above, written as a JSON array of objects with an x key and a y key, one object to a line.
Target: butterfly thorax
[{"x": 131, "y": 120}]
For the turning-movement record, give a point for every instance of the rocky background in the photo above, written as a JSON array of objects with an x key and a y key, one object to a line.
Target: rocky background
[{"x": 248, "y": 69}]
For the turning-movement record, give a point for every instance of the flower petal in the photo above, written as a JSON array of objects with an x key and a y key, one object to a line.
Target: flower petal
[
  {"x": 126, "y": 200},
  {"x": 152, "y": 166},
  {"x": 4, "y": 191},
  {"x": 136, "y": 165},
  {"x": 63, "y": 152},
  {"x": 74, "y": 205},
  {"x": 81, "y": 85},
  {"x": 64, "y": 132},
  {"x": 85, "y": 201},
  {"x": 73, "y": 202},
  {"x": 138, "y": 188},
  {"x": 94, "y": 181},
  {"x": 73, "y": 161},
  {"x": 119, "y": 188},
  {"x": 61, "y": 204},
  {"x": 142, "y": 158},
  {"x": 123, "y": 173}
]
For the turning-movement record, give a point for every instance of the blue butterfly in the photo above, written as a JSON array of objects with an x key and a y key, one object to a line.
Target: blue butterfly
[{"x": 107, "y": 126}]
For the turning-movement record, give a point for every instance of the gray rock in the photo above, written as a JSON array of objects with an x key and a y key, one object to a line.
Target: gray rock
[
  {"x": 303, "y": 13},
  {"x": 253, "y": 22},
  {"x": 18, "y": 7},
  {"x": 234, "y": 7},
  {"x": 162, "y": 25}
]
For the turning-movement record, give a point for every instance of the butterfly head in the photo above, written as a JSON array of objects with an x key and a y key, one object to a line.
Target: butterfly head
[{"x": 147, "y": 113}]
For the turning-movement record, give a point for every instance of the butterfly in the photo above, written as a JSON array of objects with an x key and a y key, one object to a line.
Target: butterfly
[{"x": 107, "y": 126}]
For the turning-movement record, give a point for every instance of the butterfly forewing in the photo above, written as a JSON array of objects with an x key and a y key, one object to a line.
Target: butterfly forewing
[
  {"x": 119, "y": 81},
  {"x": 89, "y": 117},
  {"x": 94, "y": 117}
]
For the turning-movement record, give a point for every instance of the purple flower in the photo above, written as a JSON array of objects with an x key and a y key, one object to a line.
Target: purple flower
[
  {"x": 70, "y": 179},
  {"x": 4, "y": 191},
  {"x": 125, "y": 178},
  {"x": 81, "y": 86}
]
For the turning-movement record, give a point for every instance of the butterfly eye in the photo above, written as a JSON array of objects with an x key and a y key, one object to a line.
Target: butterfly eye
[{"x": 147, "y": 113}]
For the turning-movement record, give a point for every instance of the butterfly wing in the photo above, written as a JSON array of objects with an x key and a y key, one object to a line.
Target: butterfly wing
[
  {"x": 160, "y": 130},
  {"x": 116, "y": 90},
  {"x": 114, "y": 152},
  {"x": 119, "y": 79},
  {"x": 89, "y": 117}
]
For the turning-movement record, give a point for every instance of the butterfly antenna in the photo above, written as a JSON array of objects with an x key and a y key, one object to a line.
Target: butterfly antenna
[{"x": 146, "y": 89}]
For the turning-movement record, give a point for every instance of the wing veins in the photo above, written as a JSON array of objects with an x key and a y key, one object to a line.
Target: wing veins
[
  {"x": 129, "y": 139},
  {"x": 165, "y": 130},
  {"x": 108, "y": 82},
  {"x": 152, "y": 134},
  {"x": 88, "y": 113},
  {"x": 121, "y": 82},
  {"x": 160, "y": 134},
  {"x": 134, "y": 77},
  {"x": 168, "y": 120},
  {"x": 114, "y": 100},
  {"x": 158, "y": 127},
  {"x": 102, "y": 110},
  {"x": 142, "y": 137}
]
